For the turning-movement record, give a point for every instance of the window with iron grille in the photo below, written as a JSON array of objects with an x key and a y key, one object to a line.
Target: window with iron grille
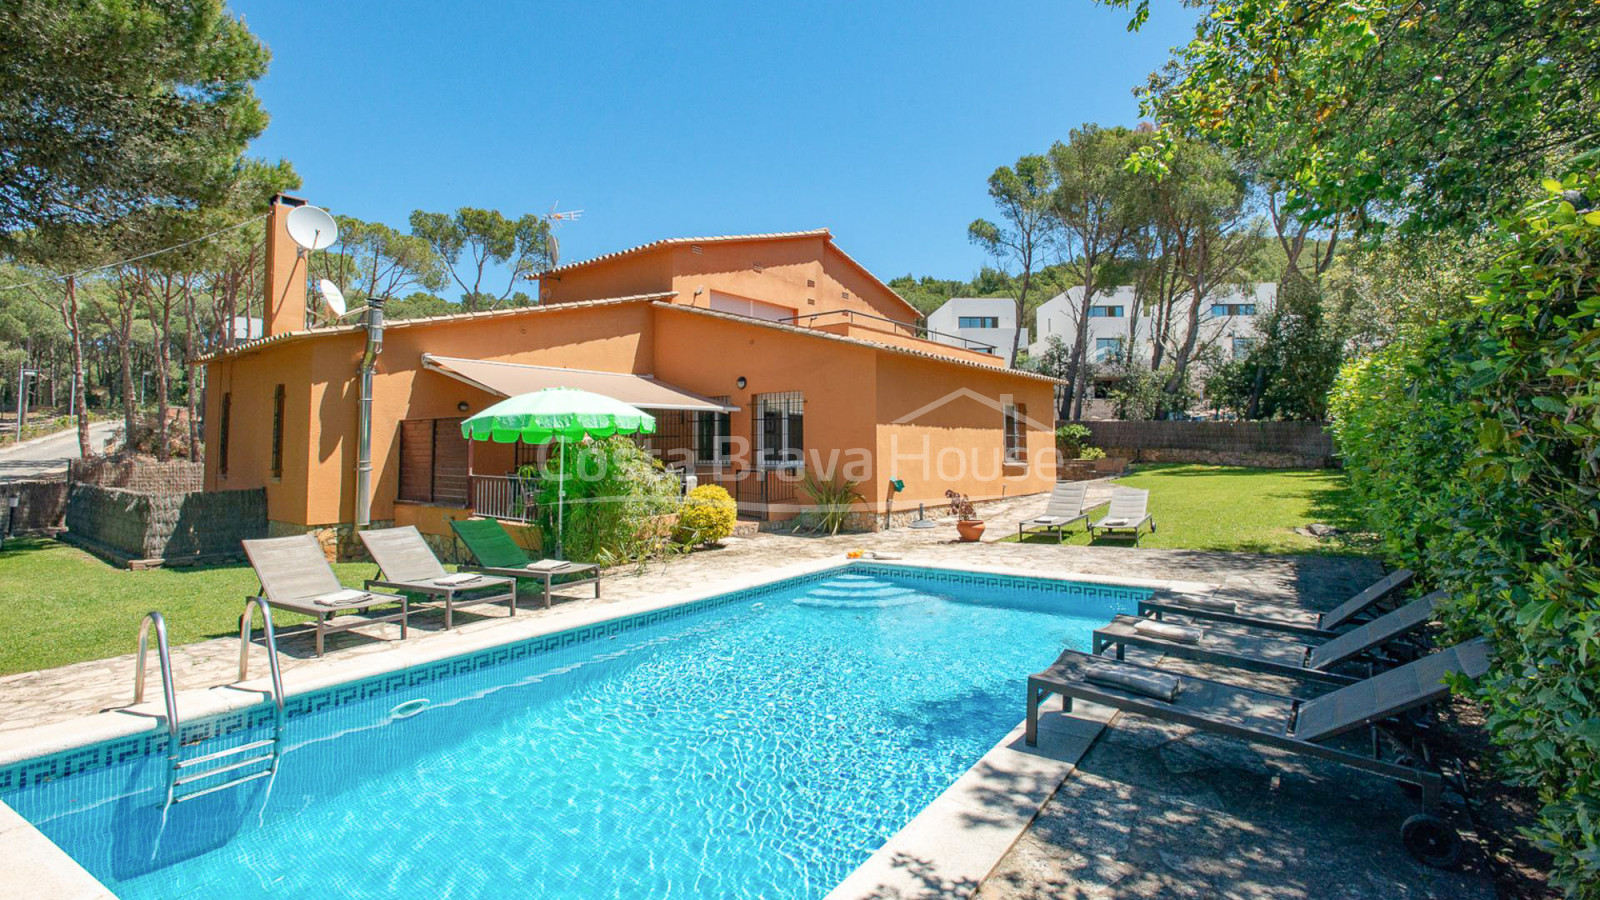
[
  {"x": 277, "y": 431},
  {"x": 778, "y": 421},
  {"x": 1016, "y": 436},
  {"x": 683, "y": 436},
  {"x": 222, "y": 433},
  {"x": 713, "y": 436}
]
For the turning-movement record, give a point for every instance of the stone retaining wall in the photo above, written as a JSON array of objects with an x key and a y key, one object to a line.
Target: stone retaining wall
[
  {"x": 41, "y": 505},
  {"x": 130, "y": 527},
  {"x": 1273, "y": 445},
  {"x": 139, "y": 473}
]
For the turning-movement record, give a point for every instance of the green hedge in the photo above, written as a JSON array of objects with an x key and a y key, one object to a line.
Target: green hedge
[{"x": 1475, "y": 446}]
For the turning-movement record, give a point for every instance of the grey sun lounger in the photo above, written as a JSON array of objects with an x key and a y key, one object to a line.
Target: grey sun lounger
[
  {"x": 1063, "y": 511},
  {"x": 1265, "y": 653},
  {"x": 406, "y": 563},
  {"x": 1286, "y": 723},
  {"x": 497, "y": 554},
  {"x": 295, "y": 576},
  {"x": 1129, "y": 511},
  {"x": 1220, "y": 607}
]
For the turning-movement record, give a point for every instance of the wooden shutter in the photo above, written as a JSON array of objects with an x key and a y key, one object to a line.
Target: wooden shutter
[
  {"x": 416, "y": 460},
  {"x": 449, "y": 463}
]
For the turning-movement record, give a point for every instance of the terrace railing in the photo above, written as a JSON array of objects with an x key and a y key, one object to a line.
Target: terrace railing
[
  {"x": 851, "y": 316},
  {"x": 507, "y": 497}
]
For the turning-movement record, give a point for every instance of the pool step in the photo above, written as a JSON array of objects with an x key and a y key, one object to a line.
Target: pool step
[
  {"x": 197, "y": 776},
  {"x": 179, "y": 798},
  {"x": 220, "y": 754},
  {"x": 269, "y": 759}
]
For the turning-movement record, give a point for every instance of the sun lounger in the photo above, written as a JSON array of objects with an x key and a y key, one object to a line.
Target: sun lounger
[
  {"x": 1265, "y": 653},
  {"x": 1064, "y": 510},
  {"x": 295, "y": 576},
  {"x": 1299, "y": 726},
  {"x": 1129, "y": 511},
  {"x": 406, "y": 563},
  {"x": 497, "y": 554},
  {"x": 1220, "y": 607}
]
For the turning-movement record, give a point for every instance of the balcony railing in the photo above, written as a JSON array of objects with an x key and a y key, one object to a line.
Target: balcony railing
[
  {"x": 809, "y": 320},
  {"x": 507, "y": 497},
  {"x": 512, "y": 498}
]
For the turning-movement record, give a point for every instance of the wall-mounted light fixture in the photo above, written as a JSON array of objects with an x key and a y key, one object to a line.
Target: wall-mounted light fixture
[
  {"x": 741, "y": 382},
  {"x": 462, "y": 406}
]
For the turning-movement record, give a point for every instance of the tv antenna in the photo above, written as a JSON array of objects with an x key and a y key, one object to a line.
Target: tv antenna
[
  {"x": 334, "y": 298},
  {"x": 556, "y": 219},
  {"x": 312, "y": 228}
]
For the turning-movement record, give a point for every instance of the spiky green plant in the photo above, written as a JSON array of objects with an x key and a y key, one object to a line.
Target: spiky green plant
[{"x": 832, "y": 500}]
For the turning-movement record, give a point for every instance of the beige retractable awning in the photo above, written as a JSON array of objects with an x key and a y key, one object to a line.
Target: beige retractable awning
[{"x": 510, "y": 379}]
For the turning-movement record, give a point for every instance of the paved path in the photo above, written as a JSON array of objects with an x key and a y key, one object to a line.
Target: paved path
[
  {"x": 1154, "y": 810},
  {"x": 47, "y": 456}
]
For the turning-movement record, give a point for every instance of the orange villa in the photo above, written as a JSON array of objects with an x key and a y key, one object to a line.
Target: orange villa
[{"x": 759, "y": 355}]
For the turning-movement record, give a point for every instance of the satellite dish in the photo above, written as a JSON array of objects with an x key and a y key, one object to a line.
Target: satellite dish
[
  {"x": 312, "y": 228},
  {"x": 332, "y": 296}
]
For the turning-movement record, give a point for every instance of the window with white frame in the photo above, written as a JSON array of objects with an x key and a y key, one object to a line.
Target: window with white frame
[
  {"x": 1242, "y": 346},
  {"x": 1016, "y": 416},
  {"x": 1107, "y": 349},
  {"x": 779, "y": 424}
]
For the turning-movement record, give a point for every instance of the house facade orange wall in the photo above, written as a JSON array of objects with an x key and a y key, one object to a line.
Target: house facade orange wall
[
  {"x": 855, "y": 396},
  {"x": 879, "y": 401},
  {"x": 804, "y": 273}
]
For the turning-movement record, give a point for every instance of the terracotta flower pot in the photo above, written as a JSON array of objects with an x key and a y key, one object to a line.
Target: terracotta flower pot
[{"x": 970, "y": 530}]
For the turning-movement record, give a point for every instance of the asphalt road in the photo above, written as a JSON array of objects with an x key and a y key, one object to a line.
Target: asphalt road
[{"x": 47, "y": 456}]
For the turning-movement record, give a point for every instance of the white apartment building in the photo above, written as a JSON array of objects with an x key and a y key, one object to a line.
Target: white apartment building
[
  {"x": 977, "y": 323},
  {"x": 1227, "y": 322}
]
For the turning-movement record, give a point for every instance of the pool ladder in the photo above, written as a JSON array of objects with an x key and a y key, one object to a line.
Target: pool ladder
[{"x": 182, "y": 772}]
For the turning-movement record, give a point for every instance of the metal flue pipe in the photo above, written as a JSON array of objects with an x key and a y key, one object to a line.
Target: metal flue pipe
[{"x": 369, "y": 362}]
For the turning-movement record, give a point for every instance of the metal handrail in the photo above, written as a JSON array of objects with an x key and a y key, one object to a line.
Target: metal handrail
[
  {"x": 246, "y": 619},
  {"x": 916, "y": 330},
  {"x": 164, "y": 656}
]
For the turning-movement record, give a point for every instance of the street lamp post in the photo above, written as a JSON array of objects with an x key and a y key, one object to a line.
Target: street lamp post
[{"x": 22, "y": 395}]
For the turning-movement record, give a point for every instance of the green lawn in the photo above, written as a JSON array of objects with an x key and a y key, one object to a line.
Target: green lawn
[
  {"x": 59, "y": 605},
  {"x": 1231, "y": 508}
]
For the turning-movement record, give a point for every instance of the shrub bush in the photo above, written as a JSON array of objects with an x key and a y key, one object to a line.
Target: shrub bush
[
  {"x": 1071, "y": 438},
  {"x": 615, "y": 493},
  {"x": 707, "y": 515},
  {"x": 1475, "y": 445}
]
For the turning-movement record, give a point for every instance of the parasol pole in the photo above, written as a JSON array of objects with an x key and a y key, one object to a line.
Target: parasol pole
[{"x": 561, "y": 497}]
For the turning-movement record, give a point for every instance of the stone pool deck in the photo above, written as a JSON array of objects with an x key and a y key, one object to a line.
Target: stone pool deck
[{"x": 1152, "y": 810}]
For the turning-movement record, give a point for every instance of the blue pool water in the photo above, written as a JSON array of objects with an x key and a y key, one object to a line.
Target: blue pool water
[{"x": 759, "y": 746}]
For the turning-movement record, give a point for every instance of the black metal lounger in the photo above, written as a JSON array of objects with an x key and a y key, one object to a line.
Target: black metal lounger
[
  {"x": 406, "y": 563},
  {"x": 1270, "y": 654},
  {"x": 295, "y": 576},
  {"x": 1219, "y": 607},
  {"x": 1299, "y": 726}
]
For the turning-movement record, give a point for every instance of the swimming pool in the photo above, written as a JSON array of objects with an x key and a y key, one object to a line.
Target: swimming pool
[{"x": 759, "y": 743}]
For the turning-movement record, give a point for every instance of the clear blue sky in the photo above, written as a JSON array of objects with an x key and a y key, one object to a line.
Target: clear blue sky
[{"x": 879, "y": 121}]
